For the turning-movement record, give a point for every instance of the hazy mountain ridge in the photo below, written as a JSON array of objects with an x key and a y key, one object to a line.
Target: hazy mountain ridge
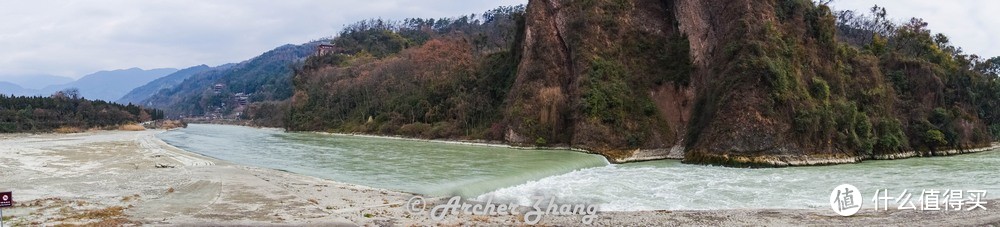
[
  {"x": 8, "y": 88},
  {"x": 111, "y": 85},
  {"x": 143, "y": 92},
  {"x": 36, "y": 81},
  {"x": 103, "y": 85},
  {"x": 265, "y": 78}
]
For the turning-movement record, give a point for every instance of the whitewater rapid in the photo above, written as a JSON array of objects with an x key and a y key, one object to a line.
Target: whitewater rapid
[
  {"x": 671, "y": 185},
  {"x": 513, "y": 175}
]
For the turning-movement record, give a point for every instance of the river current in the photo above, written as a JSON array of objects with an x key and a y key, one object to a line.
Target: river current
[{"x": 506, "y": 174}]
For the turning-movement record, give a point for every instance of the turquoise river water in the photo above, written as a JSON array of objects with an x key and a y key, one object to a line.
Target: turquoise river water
[{"x": 516, "y": 175}]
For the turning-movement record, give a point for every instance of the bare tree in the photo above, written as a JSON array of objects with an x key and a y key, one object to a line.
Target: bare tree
[{"x": 72, "y": 93}]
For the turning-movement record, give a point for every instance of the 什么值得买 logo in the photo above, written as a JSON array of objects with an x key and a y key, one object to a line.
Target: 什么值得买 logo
[{"x": 846, "y": 200}]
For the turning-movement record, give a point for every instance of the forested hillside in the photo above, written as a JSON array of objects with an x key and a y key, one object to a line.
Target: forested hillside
[
  {"x": 947, "y": 97},
  {"x": 264, "y": 78},
  {"x": 793, "y": 91},
  {"x": 773, "y": 83},
  {"x": 67, "y": 110},
  {"x": 432, "y": 78},
  {"x": 139, "y": 94}
]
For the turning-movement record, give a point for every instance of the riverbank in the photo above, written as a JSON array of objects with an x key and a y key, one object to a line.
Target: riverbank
[
  {"x": 126, "y": 177},
  {"x": 638, "y": 155},
  {"x": 677, "y": 153},
  {"x": 769, "y": 161},
  {"x": 119, "y": 177}
]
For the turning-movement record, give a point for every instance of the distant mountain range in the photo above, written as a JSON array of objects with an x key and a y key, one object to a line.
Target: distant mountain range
[
  {"x": 103, "y": 85},
  {"x": 36, "y": 81},
  {"x": 29, "y": 84},
  {"x": 262, "y": 78},
  {"x": 142, "y": 93},
  {"x": 8, "y": 88},
  {"x": 112, "y": 85},
  {"x": 265, "y": 77}
]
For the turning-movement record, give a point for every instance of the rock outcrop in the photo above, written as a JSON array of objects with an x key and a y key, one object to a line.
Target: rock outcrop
[
  {"x": 740, "y": 83},
  {"x": 592, "y": 77},
  {"x": 730, "y": 82}
]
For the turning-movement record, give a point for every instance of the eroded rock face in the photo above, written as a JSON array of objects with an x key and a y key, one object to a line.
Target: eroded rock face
[
  {"x": 556, "y": 79},
  {"x": 545, "y": 83},
  {"x": 734, "y": 82},
  {"x": 738, "y": 122},
  {"x": 601, "y": 76}
]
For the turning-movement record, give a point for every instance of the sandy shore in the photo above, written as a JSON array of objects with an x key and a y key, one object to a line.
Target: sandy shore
[{"x": 132, "y": 178}]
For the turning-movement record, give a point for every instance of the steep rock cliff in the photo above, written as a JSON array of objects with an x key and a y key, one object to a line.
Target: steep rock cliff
[
  {"x": 730, "y": 82},
  {"x": 742, "y": 83},
  {"x": 606, "y": 76}
]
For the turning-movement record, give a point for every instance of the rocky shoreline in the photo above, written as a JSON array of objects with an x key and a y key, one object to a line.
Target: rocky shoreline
[
  {"x": 677, "y": 153},
  {"x": 764, "y": 161}
]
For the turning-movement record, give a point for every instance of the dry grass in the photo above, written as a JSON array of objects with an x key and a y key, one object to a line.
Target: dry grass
[
  {"x": 131, "y": 127},
  {"x": 130, "y": 198},
  {"x": 313, "y": 201},
  {"x": 166, "y": 124},
  {"x": 67, "y": 129},
  {"x": 106, "y": 222},
  {"x": 480, "y": 218},
  {"x": 109, "y": 212},
  {"x": 170, "y": 124},
  {"x": 111, "y": 216}
]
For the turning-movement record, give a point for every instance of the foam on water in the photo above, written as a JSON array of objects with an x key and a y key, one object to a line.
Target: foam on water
[
  {"x": 511, "y": 175},
  {"x": 675, "y": 186}
]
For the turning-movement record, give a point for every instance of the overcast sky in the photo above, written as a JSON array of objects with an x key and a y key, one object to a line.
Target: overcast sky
[{"x": 74, "y": 38}]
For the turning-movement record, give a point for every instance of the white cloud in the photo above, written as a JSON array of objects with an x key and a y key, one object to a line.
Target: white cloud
[{"x": 73, "y": 38}]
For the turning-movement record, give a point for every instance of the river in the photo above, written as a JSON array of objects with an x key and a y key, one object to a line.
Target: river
[
  {"x": 505, "y": 174},
  {"x": 431, "y": 168}
]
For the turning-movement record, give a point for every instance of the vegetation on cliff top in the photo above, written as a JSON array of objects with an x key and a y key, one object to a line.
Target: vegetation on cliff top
[
  {"x": 432, "y": 78},
  {"x": 943, "y": 97},
  {"x": 846, "y": 83},
  {"x": 791, "y": 77}
]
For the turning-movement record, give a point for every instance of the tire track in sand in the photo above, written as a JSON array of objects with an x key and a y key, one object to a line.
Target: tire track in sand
[{"x": 154, "y": 146}]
